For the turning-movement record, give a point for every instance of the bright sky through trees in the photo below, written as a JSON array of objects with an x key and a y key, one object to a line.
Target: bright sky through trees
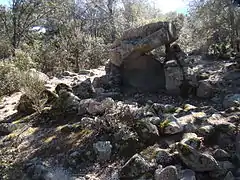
[{"x": 164, "y": 5}]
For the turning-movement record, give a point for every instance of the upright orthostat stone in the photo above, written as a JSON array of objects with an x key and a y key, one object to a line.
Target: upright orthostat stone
[{"x": 138, "y": 41}]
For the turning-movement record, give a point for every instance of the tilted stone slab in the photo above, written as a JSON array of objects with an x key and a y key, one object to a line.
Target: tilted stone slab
[{"x": 141, "y": 40}]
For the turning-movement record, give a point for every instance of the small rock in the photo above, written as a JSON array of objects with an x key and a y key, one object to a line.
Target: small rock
[
  {"x": 172, "y": 126},
  {"x": 147, "y": 131},
  {"x": 38, "y": 170},
  {"x": 229, "y": 176},
  {"x": 232, "y": 100},
  {"x": 192, "y": 140},
  {"x": 206, "y": 130},
  {"x": 68, "y": 73},
  {"x": 7, "y": 128},
  {"x": 188, "y": 107},
  {"x": 163, "y": 157},
  {"x": 205, "y": 89},
  {"x": 37, "y": 74},
  {"x": 168, "y": 173},
  {"x": 188, "y": 174},
  {"x": 196, "y": 161},
  {"x": 135, "y": 167},
  {"x": 103, "y": 150},
  {"x": 25, "y": 105},
  {"x": 224, "y": 167},
  {"x": 84, "y": 90},
  {"x": 220, "y": 154}
]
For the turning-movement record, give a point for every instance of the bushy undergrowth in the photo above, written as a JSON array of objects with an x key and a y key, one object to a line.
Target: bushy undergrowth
[{"x": 10, "y": 77}]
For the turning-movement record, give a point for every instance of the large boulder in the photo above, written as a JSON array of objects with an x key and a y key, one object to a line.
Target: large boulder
[
  {"x": 141, "y": 40},
  {"x": 144, "y": 73}
]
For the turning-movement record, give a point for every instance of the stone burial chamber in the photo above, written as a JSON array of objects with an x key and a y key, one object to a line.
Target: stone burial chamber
[{"x": 139, "y": 69}]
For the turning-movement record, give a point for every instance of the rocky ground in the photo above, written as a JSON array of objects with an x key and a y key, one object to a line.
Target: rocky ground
[{"x": 91, "y": 131}]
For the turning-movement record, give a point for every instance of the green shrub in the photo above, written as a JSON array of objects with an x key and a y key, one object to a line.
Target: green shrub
[
  {"x": 23, "y": 60},
  {"x": 5, "y": 49},
  {"x": 9, "y": 79},
  {"x": 33, "y": 87}
]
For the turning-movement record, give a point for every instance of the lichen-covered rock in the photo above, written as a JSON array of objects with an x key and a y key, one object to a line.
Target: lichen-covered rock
[
  {"x": 94, "y": 107},
  {"x": 195, "y": 160},
  {"x": 103, "y": 150},
  {"x": 164, "y": 158},
  {"x": 172, "y": 125},
  {"x": 192, "y": 140},
  {"x": 126, "y": 141},
  {"x": 147, "y": 131},
  {"x": 174, "y": 77},
  {"x": 67, "y": 102},
  {"x": 167, "y": 173},
  {"x": 84, "y": 90},
  {"x": 135, "y": 167}
]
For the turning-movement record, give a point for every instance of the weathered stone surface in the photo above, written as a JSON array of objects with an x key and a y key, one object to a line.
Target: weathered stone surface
[
  {"x": 231, "y": 100},
  {"x": 103, "y": 150},
  {"x": 192, "y": 140},
  {"x": 174, "y": 77},
  {"x": 144, "y": 73},
  {"x": 173, "y": 126},
  {"x": 135, "y": 42},
  {"x": 205, "y": 89},
  {"x": 196, "y": 161},
  {"x": 220, "y": 154},
  {"x": 84, "y": 90},
  {"x": 147, "y": 131},
  {"x": 188, "y": 174},
  {"x": 168, "y": 173},
  {"x": 7, "y": 128},
  {"x": 135, "y": 167},
  {"x": 37, "y": 74}
]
